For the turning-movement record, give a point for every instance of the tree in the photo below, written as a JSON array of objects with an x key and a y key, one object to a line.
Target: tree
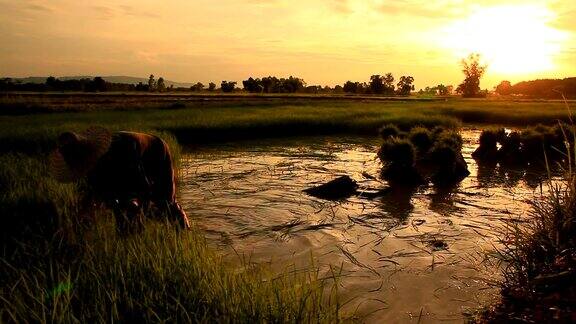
[
  {"x": 388, "y": 83},
  {"x": 504, "y": 88},
  {"x": 151, "y": 83},
  {"x": 198, "y": 87},
  {"x": 228, "y": 86},
  {"x": 377, "y": 84},
  {"x": 292, "y": 84},
  {"x": 99, "y": 84},
  {"x": 350, "y": 87},
  {"x": 270, "y": 84},
  {"x": 253, "y": 85},
  {"x": 160, "y": 85},
  {"x": 405, "y": 85},
  {"x": 443, "y": 90},
  {"x": 211, "y": 86},
  {"x": 473, "y": 72}
]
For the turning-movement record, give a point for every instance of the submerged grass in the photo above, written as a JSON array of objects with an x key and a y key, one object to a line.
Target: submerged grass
[{"x": 55, "y": 268}]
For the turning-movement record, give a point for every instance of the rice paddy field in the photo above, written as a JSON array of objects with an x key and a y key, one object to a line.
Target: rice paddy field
[
  {"x": 261, "y": 250},
  {"x": 30, "y": 122}
]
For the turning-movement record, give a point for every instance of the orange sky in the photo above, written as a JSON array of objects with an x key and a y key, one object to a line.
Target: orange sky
[{"x": 322, "y": 41}]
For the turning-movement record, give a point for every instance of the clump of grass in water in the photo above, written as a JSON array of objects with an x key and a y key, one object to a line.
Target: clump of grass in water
[
  {"x": 539, "y": 280},
  {"x": 91, "y": 275},
  {"x": 410, "y": 157}
]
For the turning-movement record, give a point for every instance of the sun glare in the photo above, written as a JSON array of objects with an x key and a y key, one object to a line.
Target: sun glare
[{"x": 513, "y": 40}]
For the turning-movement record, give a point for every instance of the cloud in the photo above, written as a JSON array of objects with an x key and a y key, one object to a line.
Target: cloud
[
  {"x": 110, "y": 12},
  {"x": 423, "y": 9},
  {"x": 104, "y": 12},
  {"x": 340, "y": 6},
  {"x": 131, "y": 11},
  {"x": 566, "y": 20},
  {"x": 39, "y": 8}
]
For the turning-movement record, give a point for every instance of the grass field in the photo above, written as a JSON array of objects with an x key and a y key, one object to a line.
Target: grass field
[
  {"x": 193, "y": 121},
  {"x": 56, "y": 269}
]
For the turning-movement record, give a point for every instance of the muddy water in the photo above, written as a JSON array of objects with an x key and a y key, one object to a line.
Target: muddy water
[{"x": 412, "y": 255}]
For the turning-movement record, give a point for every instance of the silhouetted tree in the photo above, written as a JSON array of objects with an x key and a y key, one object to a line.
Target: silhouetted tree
[
  {"x": 376, "y": 84},
  {"x": 228, "y": 86},
  {"x": 211, "y": 86},
  {"x": 198, "y": 87},
  {"x": 313, "y": 89},
  {"x": 99, "y": 84},
  {"x": 160, "y": 85},
  {"x": 52, "y": 82},
  {"x": 441, "y": 90},
  {"x": 151, "y": 83},
  {"x": 272, "y": 84},
  {"x": 350, "y": 87},
  {"x": 292, "y": 84},
  {"x": 405, "y": 85},
  {"x": 142, "y": 87},
  {"x": 504, "y": 88},
  {"x": 473, "y": 72},
  {"x": 338, "y": 89},
  {"x": 388, "y": 84},
  {"x": 253, "y": 85}
]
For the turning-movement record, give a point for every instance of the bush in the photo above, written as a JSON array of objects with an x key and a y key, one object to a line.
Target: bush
[
  {"x": 449, "y": 138},
  {"x": 397, "y": 152},
  {"x": 408, "y": 157},
  {"x": 388, "y": 131},
  {"x": 421, "y": 138},
  {"x": 488, "y": 149}
]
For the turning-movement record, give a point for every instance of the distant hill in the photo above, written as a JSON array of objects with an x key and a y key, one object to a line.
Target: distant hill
[{"x": 112, "y": 79}]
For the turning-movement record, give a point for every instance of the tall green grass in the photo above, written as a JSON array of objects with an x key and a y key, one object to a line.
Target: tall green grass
[
  {"x": 540, "y": 277},
  {"x": 202, "y": 122},
  {"x": 36, "y": 133},
  {"x": 160, "y": 276},
  {"x": 55, "y": 268}
]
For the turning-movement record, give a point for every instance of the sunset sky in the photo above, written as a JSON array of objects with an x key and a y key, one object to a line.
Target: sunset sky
[{"x": 322, "y": 41}]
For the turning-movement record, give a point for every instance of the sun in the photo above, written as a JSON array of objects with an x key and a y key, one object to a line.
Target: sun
[{"x": 513, "y": 40}]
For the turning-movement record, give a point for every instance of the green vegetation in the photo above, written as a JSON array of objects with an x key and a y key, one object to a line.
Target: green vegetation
[
  {"x": 223, "y": 120},
  {"x": 410, "y": 157},
  {"x": 539, "y": 280},
  {"x": 536, "y": 144},
  {"x": 58, "y": 265}
]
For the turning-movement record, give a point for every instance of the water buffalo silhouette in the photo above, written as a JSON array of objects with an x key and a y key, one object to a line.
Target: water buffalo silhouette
[{"x": 131, "y": 173}]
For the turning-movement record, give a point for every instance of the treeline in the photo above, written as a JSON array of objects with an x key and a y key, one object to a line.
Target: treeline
[
  {"x": 272, "y": 84},
  {"x": 378, "y": 84},
  {"x": 98, "y": 84},
  {"x": 542, "y": 88},
  {"x": 381, "y": 85}
]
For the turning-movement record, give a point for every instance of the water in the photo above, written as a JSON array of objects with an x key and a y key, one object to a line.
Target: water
[{"x": 425, "y": 254}]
